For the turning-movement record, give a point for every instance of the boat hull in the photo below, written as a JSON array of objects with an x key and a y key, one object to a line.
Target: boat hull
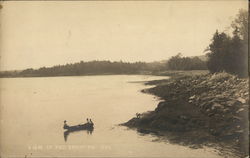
[{"x": 86, "y": 126}]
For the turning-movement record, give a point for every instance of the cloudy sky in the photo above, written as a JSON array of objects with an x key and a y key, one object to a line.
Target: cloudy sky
[{"x": 45, "y": 33}]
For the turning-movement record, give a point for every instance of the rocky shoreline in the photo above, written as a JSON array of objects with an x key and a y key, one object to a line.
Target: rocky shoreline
[{"x": 200, "y": 110}]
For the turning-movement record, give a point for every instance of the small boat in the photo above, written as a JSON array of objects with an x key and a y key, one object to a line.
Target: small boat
[{"x": 86, "y": 126}]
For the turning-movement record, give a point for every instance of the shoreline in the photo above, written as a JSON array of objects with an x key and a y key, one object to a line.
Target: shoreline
[
  {"x": 160, "y": 73},
  {"x": 199, "y": 110}
]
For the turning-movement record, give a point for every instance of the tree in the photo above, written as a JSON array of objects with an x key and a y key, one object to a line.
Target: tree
[
  {"x": 178, "y": 62},
  {"x": 241, "y": 24},
  {"x": 230, "y": 53},
  {"x": 218, "y": 50}
]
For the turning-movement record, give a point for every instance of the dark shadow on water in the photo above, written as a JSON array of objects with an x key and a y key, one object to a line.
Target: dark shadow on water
[
  {"x": 193, "y": 139},
  {"x": 67, "y": 133}
]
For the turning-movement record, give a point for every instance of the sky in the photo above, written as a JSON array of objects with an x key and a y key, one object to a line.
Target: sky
[{"x": 34, "y": 34}]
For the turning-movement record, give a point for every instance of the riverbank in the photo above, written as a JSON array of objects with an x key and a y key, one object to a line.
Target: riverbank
[{"x": 200, "y": 110}]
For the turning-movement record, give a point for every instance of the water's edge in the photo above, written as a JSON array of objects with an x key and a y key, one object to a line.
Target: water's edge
[{"x": 179, "y": 121}]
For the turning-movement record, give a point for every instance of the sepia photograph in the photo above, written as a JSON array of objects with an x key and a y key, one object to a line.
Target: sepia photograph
[{"x": 118, "y": 79}]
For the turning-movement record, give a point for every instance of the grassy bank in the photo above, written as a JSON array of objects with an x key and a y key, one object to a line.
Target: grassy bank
[{"x": 198, "y": 110}]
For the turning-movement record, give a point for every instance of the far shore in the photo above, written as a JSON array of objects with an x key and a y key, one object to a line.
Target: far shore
[{"x": 154, "y": 73}]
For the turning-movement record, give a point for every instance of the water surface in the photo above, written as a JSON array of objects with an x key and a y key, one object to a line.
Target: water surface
[{"x": 33, "y": 111}]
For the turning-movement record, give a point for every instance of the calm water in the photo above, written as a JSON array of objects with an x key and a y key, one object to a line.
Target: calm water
[{"x": 33, "y": 111}]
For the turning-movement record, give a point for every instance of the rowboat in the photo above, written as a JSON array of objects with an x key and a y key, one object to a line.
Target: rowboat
[{"x": 86, "y": 126}]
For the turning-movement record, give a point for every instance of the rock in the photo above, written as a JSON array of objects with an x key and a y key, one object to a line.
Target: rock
[
  {"x": 160, "y": 106},
  {"x": 241, "y": 100},
  {"x": 239, "y": 131},
  {"x": 213, "y": 87},
  {"x": 183, "y": 117},
  {"x": 203, "y": 104},
  {"x": 231, "y": 102},
  {"x": 216, "y": 105},
  {"x": 237, "y": 118},
  {"x": 241, "y": 109},
  {"x": 245, "y": 105},
  {"x": 192, "y": 97},
  {"x": 203, "y": 82},
  {"x": 226, "y": 110},
  {"x": 210, "y": 114}
]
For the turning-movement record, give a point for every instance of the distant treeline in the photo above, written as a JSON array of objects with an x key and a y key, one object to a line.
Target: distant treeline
[
  {"x": 89, "y": 68},
  {"x": 108, "y": 67}
]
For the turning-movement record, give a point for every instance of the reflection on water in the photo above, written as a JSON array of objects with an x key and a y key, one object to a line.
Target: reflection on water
[{"x": 67, "y": 133}]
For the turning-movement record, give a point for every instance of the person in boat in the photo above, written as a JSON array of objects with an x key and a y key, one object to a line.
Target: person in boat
[
  {"x": 90, "y": 121},
  {"x": 87, "y": 120},
  {"x": 65, "y": 124}
]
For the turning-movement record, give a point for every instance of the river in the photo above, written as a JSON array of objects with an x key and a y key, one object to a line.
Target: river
[{"x": 33, "y": 111}]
